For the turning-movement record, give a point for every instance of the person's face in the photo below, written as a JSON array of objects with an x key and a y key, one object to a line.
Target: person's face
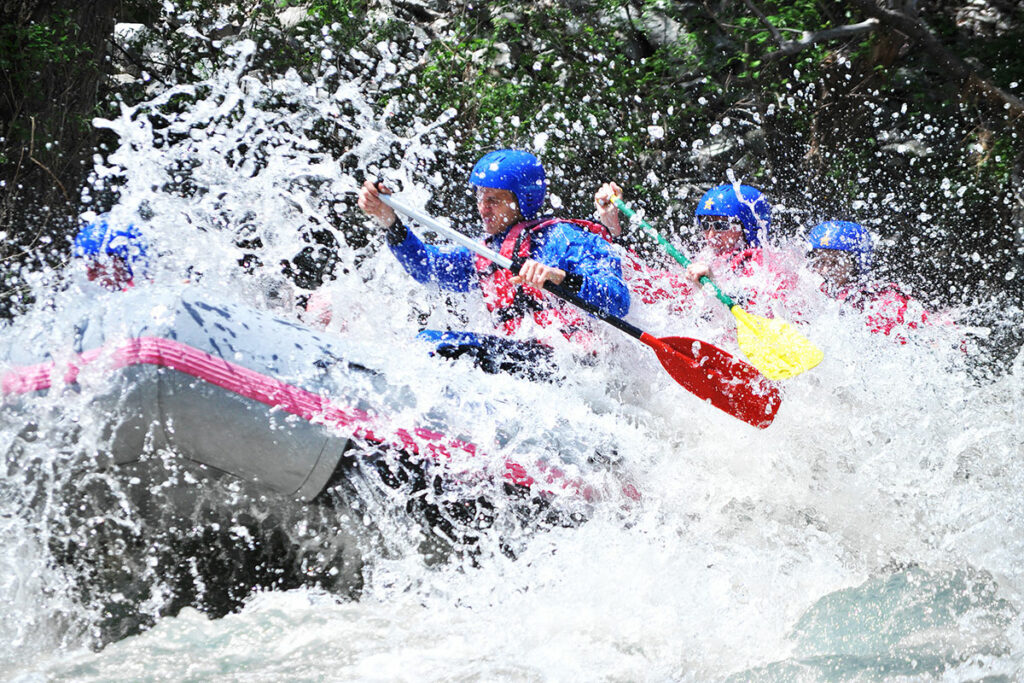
[
  {"x": 838, "y": 268},
  {"x": 498, "y": 209},
  {"x": 110, "y": 271},
  {"x": 724, "y": 234}
]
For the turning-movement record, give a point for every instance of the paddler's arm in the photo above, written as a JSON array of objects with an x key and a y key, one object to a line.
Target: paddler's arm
[
  {"x": 591, "y": 268},
  {"x": 370, "y": 203},
  {"x": 425, "y": 263}
]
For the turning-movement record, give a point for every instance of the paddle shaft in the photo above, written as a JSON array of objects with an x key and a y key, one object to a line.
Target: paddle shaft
[
  {"x": 672, "y": 251},
  {"x": 513, "y": 265}
]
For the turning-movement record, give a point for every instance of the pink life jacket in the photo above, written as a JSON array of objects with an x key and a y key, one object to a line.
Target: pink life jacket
[
  {"x": 768, "y": 281},
  {"x": 652, "y": 284}
]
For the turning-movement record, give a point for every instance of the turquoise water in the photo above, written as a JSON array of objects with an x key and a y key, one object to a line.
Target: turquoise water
[{"x": 910, "y": 623}]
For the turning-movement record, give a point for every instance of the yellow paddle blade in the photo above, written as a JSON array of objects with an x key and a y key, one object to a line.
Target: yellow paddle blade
[{"x": 773, "y": 346}]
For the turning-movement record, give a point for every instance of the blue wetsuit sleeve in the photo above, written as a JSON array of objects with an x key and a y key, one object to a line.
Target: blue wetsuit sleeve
[
  {"x": 596, "y": 268},
  {"x": 426, "y": 263}
]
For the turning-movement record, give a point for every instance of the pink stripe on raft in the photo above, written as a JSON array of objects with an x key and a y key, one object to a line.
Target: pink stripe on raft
[
  {"x": 251, "y": 384},
  {"x": 240, "y": 380}
]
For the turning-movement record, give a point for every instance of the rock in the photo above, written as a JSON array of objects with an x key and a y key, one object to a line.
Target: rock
[{"x": 661, "y": 29}]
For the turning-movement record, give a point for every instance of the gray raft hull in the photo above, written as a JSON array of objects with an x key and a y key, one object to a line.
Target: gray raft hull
[
  {"x": 175, "y": 452},
  {"x": 224, "y": 386}
]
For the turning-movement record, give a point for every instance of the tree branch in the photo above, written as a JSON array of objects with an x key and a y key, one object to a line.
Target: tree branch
[
  {"x": 135, "y": 59},
  {"x": 950, "y": 64},
  {"x": 809, "y": 39},
  {"x": 764, "y": 20}
]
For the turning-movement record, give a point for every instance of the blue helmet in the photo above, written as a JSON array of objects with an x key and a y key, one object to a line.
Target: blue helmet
[
  {"x": 99, "y": 238},
  {"x": 843, "y": 236},
  {"x": 518, "y": 172},
  {"x": 751, "y": 208}
]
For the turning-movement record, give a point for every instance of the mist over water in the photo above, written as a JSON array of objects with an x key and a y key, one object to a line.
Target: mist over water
[{"x": 873, "y": 531}]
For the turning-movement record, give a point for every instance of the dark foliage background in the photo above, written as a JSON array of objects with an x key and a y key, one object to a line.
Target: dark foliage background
[{"x": 904, "y": 116}]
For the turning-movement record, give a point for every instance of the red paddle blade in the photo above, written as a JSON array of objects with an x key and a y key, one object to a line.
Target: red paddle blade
[{"x": 716, "y": 377}]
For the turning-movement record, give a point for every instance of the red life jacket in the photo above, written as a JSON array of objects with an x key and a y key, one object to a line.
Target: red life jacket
[
  {"x": 759, "y": 279},
  {"x": 650, "y": 284},
  {"x": 887, "y": 310},
  {"x": 510, "y": 304},
  {"x": 653, "y": 285}
]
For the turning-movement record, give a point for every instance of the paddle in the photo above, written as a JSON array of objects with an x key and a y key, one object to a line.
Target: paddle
[
  {"x": 774, "y": 347},
  {"x": 706, "y": 371}
]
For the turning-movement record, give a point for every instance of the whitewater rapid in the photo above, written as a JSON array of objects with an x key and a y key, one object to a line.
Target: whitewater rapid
[{"x": 874, "y": 530}]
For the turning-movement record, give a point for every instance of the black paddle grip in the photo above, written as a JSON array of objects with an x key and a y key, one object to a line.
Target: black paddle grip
[{"x": 575, "y": 299}]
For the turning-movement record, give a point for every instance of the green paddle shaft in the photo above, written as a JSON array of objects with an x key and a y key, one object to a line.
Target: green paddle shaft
[{"x": 672, "y": 251}]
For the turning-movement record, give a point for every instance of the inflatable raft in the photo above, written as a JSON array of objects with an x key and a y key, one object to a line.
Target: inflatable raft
[
  {"x": 235, "y": 389},
  {"x": 175, "y": 451}
]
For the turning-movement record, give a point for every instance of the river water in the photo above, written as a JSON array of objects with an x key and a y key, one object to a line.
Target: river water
[{"x": 873, "y": 532}]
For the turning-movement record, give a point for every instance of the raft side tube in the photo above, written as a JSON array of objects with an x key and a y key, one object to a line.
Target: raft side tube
[{"x": 222, "y": 429}]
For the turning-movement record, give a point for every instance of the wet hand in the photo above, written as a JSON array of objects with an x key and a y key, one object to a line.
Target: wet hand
[
  {"x": 695, "y": 271},
  {"x": 536, "y": 274},
  {"x": 607, "y": 213},
  {"x": 370, "y": 203}
]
